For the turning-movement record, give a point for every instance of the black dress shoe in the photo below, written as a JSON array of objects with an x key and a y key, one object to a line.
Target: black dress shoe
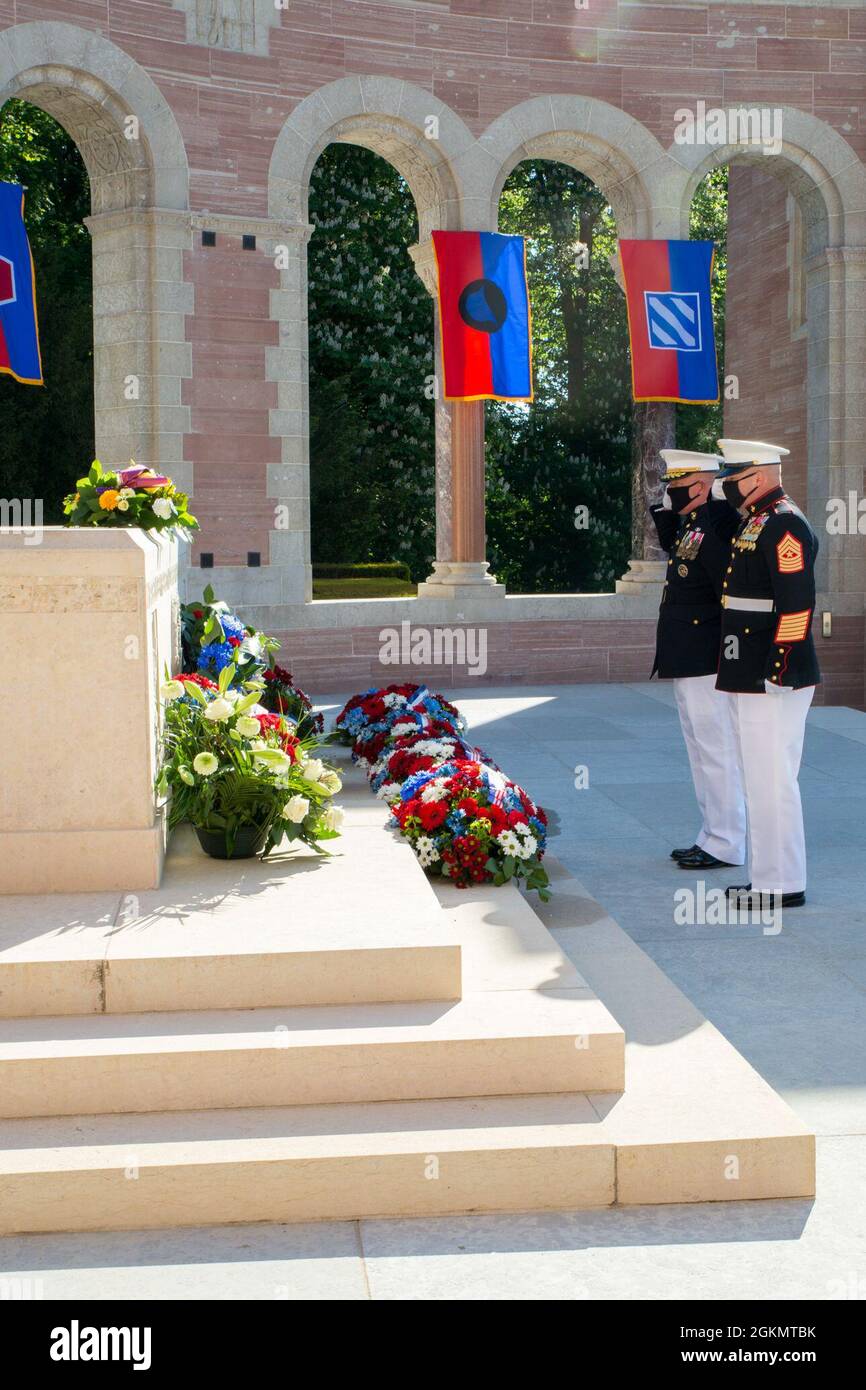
[
  {"x": 699, "y": 859},
  {"x": 745, "y": 897},
  {"x": 683, "y": 853}
]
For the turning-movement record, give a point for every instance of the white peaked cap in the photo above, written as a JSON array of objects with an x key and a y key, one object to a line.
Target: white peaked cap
[
  {"x": 688, "y": 461},
  {"x": 751, "y": 451}
]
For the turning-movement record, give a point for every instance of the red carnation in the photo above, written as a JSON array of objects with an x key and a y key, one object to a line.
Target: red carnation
[
  {"x": 196, "y": 679},
  {"x": 197, "y": 613}
]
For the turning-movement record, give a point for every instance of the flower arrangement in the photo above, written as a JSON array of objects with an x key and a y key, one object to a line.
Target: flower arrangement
[
  {"x": 133, "y": 496},
  {"x": 418, "y": 752},
  {"x": 469, "y": 823},
  {"x": 213, "y": 638},
  {"x": 465, "y": 820},
  {"x": 239, "y": 774},
  {"x": 368, "y": 720},
  {"x": 282, "y": 696}
]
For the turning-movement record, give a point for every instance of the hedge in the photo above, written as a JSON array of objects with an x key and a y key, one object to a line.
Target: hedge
[{"x": 384, "y": 569}]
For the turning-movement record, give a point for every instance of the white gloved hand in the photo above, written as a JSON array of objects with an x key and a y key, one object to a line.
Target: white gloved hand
[
  {"x": 666, "y": 501},
  {"x": 717, "y": 491}
]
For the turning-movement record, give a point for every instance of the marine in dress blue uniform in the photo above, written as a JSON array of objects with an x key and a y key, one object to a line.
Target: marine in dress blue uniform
[
  {"x": 695, "y": 531},
  {"x": 768, "y": 666}
]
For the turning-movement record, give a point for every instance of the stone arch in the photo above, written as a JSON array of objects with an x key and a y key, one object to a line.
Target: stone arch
[
  {"x": 828, "y": 182},
  {"x": 433, "y": 150},
  {"x": 601, "y": 141},
  {"x": 139, "y": 226},
  {"x": 92, "y": 87},
  {"x": 391, "y": 118}
]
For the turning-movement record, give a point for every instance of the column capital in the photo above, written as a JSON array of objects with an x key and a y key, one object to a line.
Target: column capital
[{"x": 424, "y": 259}]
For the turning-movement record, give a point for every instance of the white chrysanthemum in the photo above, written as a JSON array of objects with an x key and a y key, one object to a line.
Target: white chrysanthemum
[
  {"x": 313, "y": 769},
  {"x": 172, "y": 690},
  {"x": 248, "y": 727},
  {"x": 399, "y": 730},
  {"x": 426, "y": 850},
  {"x": 387, "y": 790},
  {"x": 163, "y": 508},
  {"x": 434, "y": 792},
  {"x": 528, "y": 846},
  {"x": 509, "y": 842},
  {"x": 205, "y": 764}
]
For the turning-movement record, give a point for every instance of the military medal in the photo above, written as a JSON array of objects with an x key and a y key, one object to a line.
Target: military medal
[
  {"x": 688, "y": 545},
  {"x": 750, "y": 534},
  {"x": 682, "y": 571}
]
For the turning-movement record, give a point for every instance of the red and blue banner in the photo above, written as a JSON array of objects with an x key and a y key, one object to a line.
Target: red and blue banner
[
  {"x": 670, "y": 320},
  {"x": 19, "y": 329},
  {"x": 484, "y": 316}
]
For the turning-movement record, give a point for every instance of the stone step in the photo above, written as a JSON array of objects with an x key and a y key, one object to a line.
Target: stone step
[
  {"x": 395, "y": 1158},
  {"x": 361, "y": 926},
  {"x": 489, "y": 1043},
  {"x": 337, "y": 1162}
]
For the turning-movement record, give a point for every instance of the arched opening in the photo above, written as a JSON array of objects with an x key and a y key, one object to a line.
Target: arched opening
[
  {"x": 777, "y": 231},
  {"x": 700, "y": 426},
  {"x": 49, "y": 431},
  {"x": 131, "y": 148},
  {"x": 370, "y": 325},
  {"x": 559, "y": 470}
]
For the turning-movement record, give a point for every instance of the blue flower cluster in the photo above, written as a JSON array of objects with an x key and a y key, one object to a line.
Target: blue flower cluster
[
  {"x": 213, "y": 657},
  {"x": 232, "y": 626}
]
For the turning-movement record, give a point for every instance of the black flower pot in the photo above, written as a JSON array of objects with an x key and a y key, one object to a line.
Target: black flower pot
[{"x": 249, "y": 841}]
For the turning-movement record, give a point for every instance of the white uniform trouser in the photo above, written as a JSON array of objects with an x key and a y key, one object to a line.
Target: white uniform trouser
[
  {"x": 706, "y": 717},
  {"x": 770, "y": 730}
]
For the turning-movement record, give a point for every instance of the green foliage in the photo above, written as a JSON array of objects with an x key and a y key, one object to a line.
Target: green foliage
[
  {"x": 699, "y": 426},
  {"x": 571, "y": 447},
  {"x": 226, "y": 771},
  {"x": 107, "y": 498},
  {"x": 371, "y": 349},
  {"x": 363, "y": 588},
  {"x": 48, "y": 430},
  {"x": 386, "y": 569}
]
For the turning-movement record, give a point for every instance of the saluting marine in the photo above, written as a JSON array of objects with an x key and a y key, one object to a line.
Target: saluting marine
[
  {"x": 768, "y": 666},
  {"x": 696, "y": 531}
]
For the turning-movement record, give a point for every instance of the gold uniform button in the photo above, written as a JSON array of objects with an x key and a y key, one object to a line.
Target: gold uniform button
[
  {"x": 724, "y": 583},
  {"x": 774, "y": 678},
  {"x": 746, "y": 629},
  {"x": 730, "y": 569},
  {"x": 781, "y": 649},
  {"x": 778, "y": 664},
  {"x": 670, "y": 562},
  {"x": 695, "y": 621}
]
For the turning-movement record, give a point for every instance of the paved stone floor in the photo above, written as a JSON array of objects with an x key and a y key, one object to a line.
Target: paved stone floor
[{"x": 794, "y": 1004}]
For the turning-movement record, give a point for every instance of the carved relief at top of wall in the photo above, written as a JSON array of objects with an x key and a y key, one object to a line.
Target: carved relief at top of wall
[{"x": 238, "y": 26}]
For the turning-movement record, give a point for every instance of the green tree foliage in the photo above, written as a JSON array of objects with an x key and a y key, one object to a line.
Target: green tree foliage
[
  {"x": 47, "y": 431},
  {"x": 371, "y": 353},
  {"x": 571, "y": 447},
  {"x": 699, "y": 426}
]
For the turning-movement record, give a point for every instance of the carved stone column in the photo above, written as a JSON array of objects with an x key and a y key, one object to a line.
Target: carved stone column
[
  {"x": 653, "y": 428},
  {"x": 460, "y": 570}
]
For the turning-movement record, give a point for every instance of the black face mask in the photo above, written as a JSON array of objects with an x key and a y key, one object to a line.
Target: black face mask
[
  {"x": 680, "y": 497},
  {"x": 734, "y": 493}
]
